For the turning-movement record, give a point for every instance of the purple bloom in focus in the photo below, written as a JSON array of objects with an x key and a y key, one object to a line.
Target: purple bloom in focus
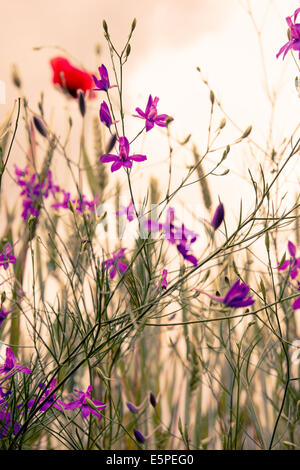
[
  {"x": 3, "y": 314},
  {"x": 236, "y": 297},
  {"x": 139, "y": 436},
  {"x": 82, "y": 404},
  {"x": 6, "y": 256},
  {"x": 218, "y": 217},
  {"x": 294, "y": 35},
  {"x": 123, "y": 159},
  {"x": 11, "y": 365},
  {"x": 105, "y": 116},
  {"x": 115, "y": 264},
  {"x": 51, "y": 400},
  {"x": 128, "y": 211},
  {"x": 151, "y": 115},
  {"x": 103, "y": 84},
  {"x": 293, "y": 264}
]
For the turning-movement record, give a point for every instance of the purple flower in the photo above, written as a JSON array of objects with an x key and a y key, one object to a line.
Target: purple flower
[
  {"x": 64, "y": 203},
  {"x": 151, "y": 115},
  {"x": 82, "y": 403},
  {"x": 164, "y": 282},
  {"x": 6, "y": 256},
  {"x": 103, "y": 84},
  {"x": 236, "y": 297},
  {"x": 115, "y": 264},
  {"x": 51, "y": 400},
  {"x": 184, "y": 250},
  {"x": 294, "y": 36},
  {"x": 218, "y": 217},
  {"x": 293, "y": 264},
  {"x": 152, "y": 399},
  {"x": 105, "y": 116},
  {"x": 11, "y": 365},
  {"x": 139, "y": 436},
  {"x": 123, "y": 159},
  {"x": 3, "y": 314},
  {"x": 6, "y": 423},
  {"x": 128, "y": 211},
  {"x": 34, "y": 190},
  {"x": 296, "y": 304},
  {"x": 131, "y": 407}
]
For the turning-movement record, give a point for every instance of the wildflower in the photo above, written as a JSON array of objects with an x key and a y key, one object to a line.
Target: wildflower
[
  {"x": 293, "y": 264},
  {"x": 6, "y": 423},
  {"x": 70, "y": 78},
  {"x": 152, "y": 399},
  {"x": 123, "y": 159},
  {"x": 294, "y": 35},
  {"x": 103, "y": 84},
  {"x": 128, "y": 211},
  {"x": 184, "y": 250},
  {"x": 34, "y": 190},
  {"x": 218, "y": 217},
  {"x": 3, "y": 395},
  {"x": 139, "y": 436},
  {"x": 164, "y": 282},
  {"x": 131, "y": 407},
  {"x": 296, "y": 304},
  {"x": 150, "y": 114},
  {"x": 11, "y": 365},
  {"x": 236, "y": 297},
  {"x": 6, "y": 256},
  {"x": 83, "y": 405},
  {"x": 3, "y": 314},
  {"x": 115, "y": 264},
  {"x": 64, "y": 203},
  {"x": 105, "y": 116},
  {"x": 51, "y": 400}
]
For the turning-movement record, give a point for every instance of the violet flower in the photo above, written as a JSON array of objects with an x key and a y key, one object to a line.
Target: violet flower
[
  {"x": 11, "y": 365},
  {"x": 164, "y": 282},
  {"x": 218, "y": 217},
  {"x": 150, "y": 114},
  {"x": 294, "y": 35},
  {"x": 6, "y": 256},
  {"x": 3, "y": 314},
  {"x": 51, "y": 400},
  {"x": 103, "y": 84},
  {"x": 114, "y": 263},
  {"x": 105, "y": 116},
  {"x": 6, "y": 423},
  {"x": 82, "y": 403},
  {"x": 236, "y": 297},
  {"x": 293, "y": 264},
  {"x": 128, "y": 211},
  {"x": 123, "y": 159},
  {"x": 139, "y": 436},
  {"x": 296, "y": 304}
]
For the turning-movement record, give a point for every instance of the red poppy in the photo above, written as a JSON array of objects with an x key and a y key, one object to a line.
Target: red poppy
[{"x": 70, "y": 78}]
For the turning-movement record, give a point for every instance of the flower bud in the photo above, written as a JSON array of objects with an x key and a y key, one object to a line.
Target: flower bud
[
  {"x": 152, "y": 399},
  {"x": 38, "y": 124},
  {"x": 139, "y": 436},
  {"x": 81, "y": 103}
]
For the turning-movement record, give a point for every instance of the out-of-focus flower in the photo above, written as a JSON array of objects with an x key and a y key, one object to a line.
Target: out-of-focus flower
[
  {"x": 105, "y": 116},
  {"x": 218, "y": 217},
  {"x": 51, "y": 400},
  {"x": 11, "y": 365},
  {"x": 293, "y": 263},
  {"x": 123, "y": 159},
  {"x": 131, "y": 407},
  {"x": 6, "y": 423},
  {"x": 3, "y": 314},
  {"x": 236, "y": 297},
  {"x": 34, "y": 191},
  {"x": 164, "y": 282},
  {"x": 6, "y": 256},
  {"x": 180, "y": 236},
  {"x": 139, "y": 436},
  {"x": 103, "y": 84},
  {"x": 294, "y": 35},
  {"x": 152, "y": 399},
  {"x": 128, "y": 211},
  {"x": 296, "y": 304},
  {"x": 69, "y": 78},
  {"x": 3, "y": 395},
  {"x": 150, "y": 114},
  {"x": 114, "y": 263},
  {"x": 81, "y": 403}
]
